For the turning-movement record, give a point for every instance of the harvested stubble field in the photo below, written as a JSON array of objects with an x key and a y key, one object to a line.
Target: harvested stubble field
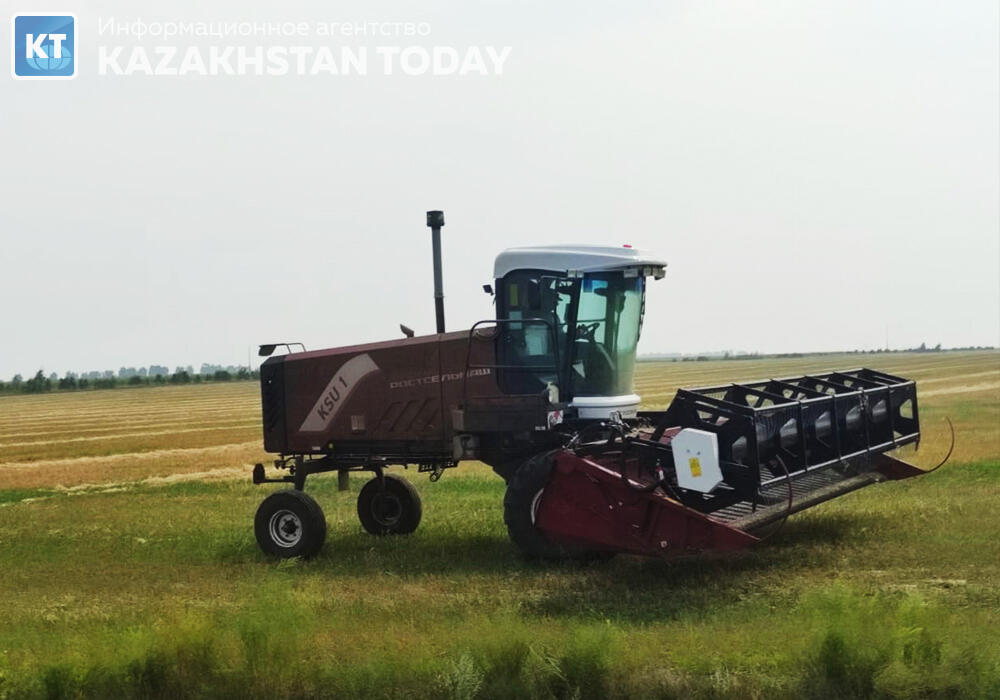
[{"x": 128, "y": 568}]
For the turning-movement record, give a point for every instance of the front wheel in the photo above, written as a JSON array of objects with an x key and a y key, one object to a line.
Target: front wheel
[
  {"x": 290, "y": 524},
  {"x": 389, "y": 506},
  {"x": 520, "y": 506}
]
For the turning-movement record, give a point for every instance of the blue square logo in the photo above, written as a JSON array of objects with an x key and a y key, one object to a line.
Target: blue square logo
[{"x": 44, "y": 46}]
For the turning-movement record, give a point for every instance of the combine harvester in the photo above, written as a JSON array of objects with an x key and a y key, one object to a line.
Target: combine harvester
[{"x": 543, "y": 393}]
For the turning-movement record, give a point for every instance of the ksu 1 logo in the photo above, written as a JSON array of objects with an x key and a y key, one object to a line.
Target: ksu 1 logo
[
  {"x": 43, "y": 46},
  {"x": 336, "y": 392}
]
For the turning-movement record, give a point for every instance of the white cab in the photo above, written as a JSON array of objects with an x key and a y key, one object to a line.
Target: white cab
[
  {"x": 601, "y": 407},
  {"x": 575, "y": 260}
]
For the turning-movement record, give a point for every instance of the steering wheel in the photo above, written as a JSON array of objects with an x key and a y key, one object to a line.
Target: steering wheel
[{"x": 586, "y": 331}]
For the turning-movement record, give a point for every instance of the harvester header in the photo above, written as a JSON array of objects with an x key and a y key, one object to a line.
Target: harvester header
[{"x": 543, "y": 393}]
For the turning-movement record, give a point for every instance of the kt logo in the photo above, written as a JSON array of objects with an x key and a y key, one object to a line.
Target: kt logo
[{"x": 44, "y": 46}]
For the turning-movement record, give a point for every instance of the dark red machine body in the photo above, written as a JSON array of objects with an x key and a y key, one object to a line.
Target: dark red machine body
[{"x": 400, "y": 391}]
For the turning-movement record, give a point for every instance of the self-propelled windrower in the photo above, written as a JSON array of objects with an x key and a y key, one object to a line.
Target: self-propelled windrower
[{"x": 543, "y": 393}]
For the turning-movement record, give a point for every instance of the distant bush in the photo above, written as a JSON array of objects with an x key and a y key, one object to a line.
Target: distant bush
[{"x": 38, "y": 384}]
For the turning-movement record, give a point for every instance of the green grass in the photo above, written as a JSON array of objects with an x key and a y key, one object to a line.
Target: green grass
[
  {"x": 145, "y": 590},
  {"x": 156, "y": 591}
]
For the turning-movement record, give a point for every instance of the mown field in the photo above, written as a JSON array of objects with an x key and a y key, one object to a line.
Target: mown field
[{"x": 128, "y": 568}]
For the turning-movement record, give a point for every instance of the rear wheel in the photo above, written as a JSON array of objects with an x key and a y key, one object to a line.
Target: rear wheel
[
  {"x": 389, "y": 508},
  {"x": 290, "y": 524},
  {"x": 520, "y": 506}
]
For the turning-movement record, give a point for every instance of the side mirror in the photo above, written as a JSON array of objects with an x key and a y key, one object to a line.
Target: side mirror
[
  {"x": 488, "y": 288},
  {"x": 407, "y": 331}
]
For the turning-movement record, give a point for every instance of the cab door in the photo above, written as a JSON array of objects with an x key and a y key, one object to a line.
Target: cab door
[{"x": 535, "y": 315}]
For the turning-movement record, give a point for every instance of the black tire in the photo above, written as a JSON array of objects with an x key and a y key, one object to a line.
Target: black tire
[
  {"x": 290, "y": 524},
  {"x": 519, "y": 506},
  {"x": 394, "y": 510},
  {"x": 505, "y": 469},
  {"x": 502, "y": 461}
]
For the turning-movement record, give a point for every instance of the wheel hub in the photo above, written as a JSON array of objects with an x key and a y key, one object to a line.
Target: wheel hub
[
  {"x": 387, "y": 509},
  {"x": 285, "y": 528}
]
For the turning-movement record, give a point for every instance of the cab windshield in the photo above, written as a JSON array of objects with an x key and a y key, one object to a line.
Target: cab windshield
[
  {"x": 579, "y": 334},
  {"x": 607, "y": 331}
]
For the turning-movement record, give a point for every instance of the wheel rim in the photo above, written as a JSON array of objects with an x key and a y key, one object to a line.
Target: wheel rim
[
  {"x": 387, "y": 509},
  {"x": 535, "y": 503},
  {"x": 285, "y": 528}
]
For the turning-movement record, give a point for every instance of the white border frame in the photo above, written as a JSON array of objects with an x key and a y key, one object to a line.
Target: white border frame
[{"x": 13, "y": 45}]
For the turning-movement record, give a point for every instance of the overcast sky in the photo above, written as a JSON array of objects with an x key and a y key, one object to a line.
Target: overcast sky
[{"x": 814, "y": 173}]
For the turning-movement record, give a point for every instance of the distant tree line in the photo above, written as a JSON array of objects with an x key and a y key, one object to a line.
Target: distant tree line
[
  {"x": 155, "y": 375},
  {"x": 785, "y": 355}
]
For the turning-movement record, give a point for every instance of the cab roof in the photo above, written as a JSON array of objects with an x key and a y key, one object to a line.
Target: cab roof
[{"x": 577, "y": 259}]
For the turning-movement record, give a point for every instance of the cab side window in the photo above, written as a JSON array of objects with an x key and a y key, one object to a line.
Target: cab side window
[{"x": 536, "y": 310}]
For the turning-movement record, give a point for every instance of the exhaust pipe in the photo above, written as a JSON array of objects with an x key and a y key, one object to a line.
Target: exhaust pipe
[{"x": 435, "y": 219}]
